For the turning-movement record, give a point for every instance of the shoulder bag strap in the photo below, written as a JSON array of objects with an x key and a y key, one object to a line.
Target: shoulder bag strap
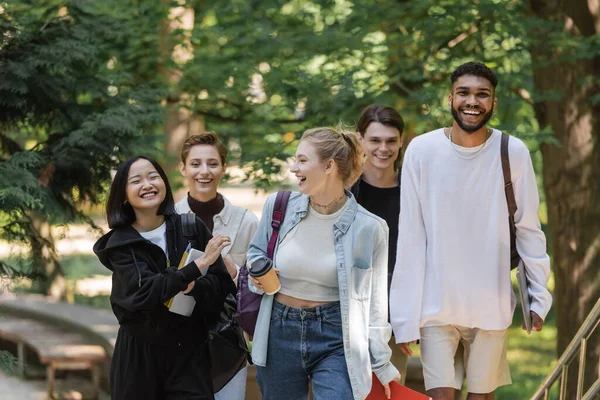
[
  {"x": 281, "y": 202},
  {"x": 510, "y": 199}
]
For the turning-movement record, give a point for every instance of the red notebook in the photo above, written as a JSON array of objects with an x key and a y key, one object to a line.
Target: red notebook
[{"x": 399, "y": 392}]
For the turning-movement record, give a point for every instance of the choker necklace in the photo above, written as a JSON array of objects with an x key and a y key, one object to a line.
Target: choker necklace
[
  {"x": 488, "y": 133},
  {"x": 328, "y": 204}
]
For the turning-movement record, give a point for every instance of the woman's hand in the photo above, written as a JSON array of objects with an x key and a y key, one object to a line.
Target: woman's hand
[
  {"x": 388, "y": 390},
  {"x": 189, "y": 288},
  {"x": 231, "y": 268},
  {"x": 255, "y": 282},
  {"x": 212, "y": 251}
]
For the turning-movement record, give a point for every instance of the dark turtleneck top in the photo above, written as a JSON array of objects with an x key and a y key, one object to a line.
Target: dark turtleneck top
[{"x": 207, "y": 210}]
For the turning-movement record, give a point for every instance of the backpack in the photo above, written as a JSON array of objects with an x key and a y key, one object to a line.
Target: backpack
[
  {"x": 248, "y": 302},
  {"x": 226, "y": 345}
]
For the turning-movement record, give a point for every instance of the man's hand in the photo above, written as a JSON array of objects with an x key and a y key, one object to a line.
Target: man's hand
[
  {"x": 388, "y": 390},
  {"x": 537, "y": 323},
  {"x": 405, "y": 347}
]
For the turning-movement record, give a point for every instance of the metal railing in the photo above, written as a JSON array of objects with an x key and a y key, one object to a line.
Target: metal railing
[{"x": 577, "y": 345}]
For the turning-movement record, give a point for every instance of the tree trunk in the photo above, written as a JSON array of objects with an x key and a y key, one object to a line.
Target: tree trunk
[
  {"x": 47, "y": 272},
  {"x": 571, "y": 175},
  {"x": 179, "y": 121}
]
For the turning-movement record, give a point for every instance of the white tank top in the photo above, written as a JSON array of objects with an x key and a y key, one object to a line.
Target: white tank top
[{"x": 306, "y": 259}]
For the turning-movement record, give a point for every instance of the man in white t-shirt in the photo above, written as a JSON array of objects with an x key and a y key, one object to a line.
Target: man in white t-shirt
[{"x": 451, "y": 283}]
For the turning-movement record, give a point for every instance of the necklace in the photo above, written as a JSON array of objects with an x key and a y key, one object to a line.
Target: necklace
[
  {"x": 482, "y": 146},
  {"x": 326, "y": 206}
]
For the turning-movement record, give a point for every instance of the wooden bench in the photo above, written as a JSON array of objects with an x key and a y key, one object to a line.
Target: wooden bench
[{"x": 57, "y": 349}]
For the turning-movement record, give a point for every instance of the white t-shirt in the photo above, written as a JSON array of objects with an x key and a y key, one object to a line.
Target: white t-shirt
[
  {"x": 306, "y": 259},
  {"x": 158, "y": 236},
  {"x": 453, "y": 257}
]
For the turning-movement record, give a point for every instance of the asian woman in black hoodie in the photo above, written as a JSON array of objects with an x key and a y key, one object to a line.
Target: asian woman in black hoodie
[{"x": 158, "y": 354}]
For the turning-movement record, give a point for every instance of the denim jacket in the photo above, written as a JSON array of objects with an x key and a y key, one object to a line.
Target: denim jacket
[{"x": 360, "y": 241}]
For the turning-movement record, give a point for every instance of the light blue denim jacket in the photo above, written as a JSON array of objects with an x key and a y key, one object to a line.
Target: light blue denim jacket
[{"x": 361, "y": 247}]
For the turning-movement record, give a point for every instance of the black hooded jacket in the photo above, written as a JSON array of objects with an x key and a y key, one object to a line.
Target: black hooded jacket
[{"x": 143, "y": 280}]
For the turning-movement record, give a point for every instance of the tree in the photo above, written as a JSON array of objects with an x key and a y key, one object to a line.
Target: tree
[
  {"x": 262, "y": 72},
  {"x": 65, "y": 121},
  {"x": 567, "y": 46}
]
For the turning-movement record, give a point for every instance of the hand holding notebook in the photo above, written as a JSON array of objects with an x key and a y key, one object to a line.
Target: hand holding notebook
[
  {"x": 399, "y": 392},
  {"x": 181, "y": 303}
]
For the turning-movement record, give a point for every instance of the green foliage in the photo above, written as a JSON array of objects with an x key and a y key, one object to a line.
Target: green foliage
[
  {"x": 81, "y": 266},
  {"x": 66, "y": 118},
  {"x": 262, "y": 69},
  {"x": 530, "y": 357},
  {"x": 9, "y": 363},
  {"x": 262, "y": 72}
]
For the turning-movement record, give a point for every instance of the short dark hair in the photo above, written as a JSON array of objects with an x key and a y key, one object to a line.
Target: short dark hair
[
  {"x": 385, "y": 115},
  {"x": 477, "y": 69},
  {"x": 208, "y": 138},
  {"x": 119, "y": 213}
]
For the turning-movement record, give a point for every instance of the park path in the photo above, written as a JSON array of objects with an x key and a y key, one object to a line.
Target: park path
[{"x": 13, "y": 388}]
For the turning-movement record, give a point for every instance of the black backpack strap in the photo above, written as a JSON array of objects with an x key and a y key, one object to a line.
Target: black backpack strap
[
  {"x": 190, "y": 231},
  {"x": 510, "y": 200}
]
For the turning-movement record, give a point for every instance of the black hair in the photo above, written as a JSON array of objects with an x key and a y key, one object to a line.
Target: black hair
[
  {"x": 476, "y": 69},
  {"x": 119, "y": 212}
]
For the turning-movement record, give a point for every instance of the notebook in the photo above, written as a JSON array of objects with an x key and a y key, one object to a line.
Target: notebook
[
  {"x": 523, "y": 283},
  {"x": 399, "y": 392},
  {"x": 181, "y": 303}
]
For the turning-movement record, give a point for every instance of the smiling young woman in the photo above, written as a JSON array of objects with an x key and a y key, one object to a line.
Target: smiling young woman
[
  {"x": 158, "y": 354},
  {"x": 203, "y": 165},
  {"x": 331, "y": 254}
]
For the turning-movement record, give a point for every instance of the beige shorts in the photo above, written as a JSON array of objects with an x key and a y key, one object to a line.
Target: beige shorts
[{"x": 484, "y": 358}]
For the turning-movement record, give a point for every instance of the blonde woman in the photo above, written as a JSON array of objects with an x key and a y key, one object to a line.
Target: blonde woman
[
  {"x": 328, "y": 324},
  {"x": 203, "y": 165}
]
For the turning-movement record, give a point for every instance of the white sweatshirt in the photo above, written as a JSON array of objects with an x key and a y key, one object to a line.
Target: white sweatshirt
[{"x": 453, "y": 259}]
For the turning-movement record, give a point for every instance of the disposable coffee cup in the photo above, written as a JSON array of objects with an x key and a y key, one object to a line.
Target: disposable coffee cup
[{"x": 262, "y": 270}]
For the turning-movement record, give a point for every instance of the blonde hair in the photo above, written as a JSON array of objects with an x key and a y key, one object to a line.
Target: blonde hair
[{"x": 342, "y": 147}]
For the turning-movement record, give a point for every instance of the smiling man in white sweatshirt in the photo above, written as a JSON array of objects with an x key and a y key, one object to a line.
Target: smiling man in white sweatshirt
[{"x": 451, "y": 282}]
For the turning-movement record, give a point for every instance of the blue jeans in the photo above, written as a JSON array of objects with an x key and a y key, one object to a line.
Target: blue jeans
[{"x": 305, "y": 345}]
